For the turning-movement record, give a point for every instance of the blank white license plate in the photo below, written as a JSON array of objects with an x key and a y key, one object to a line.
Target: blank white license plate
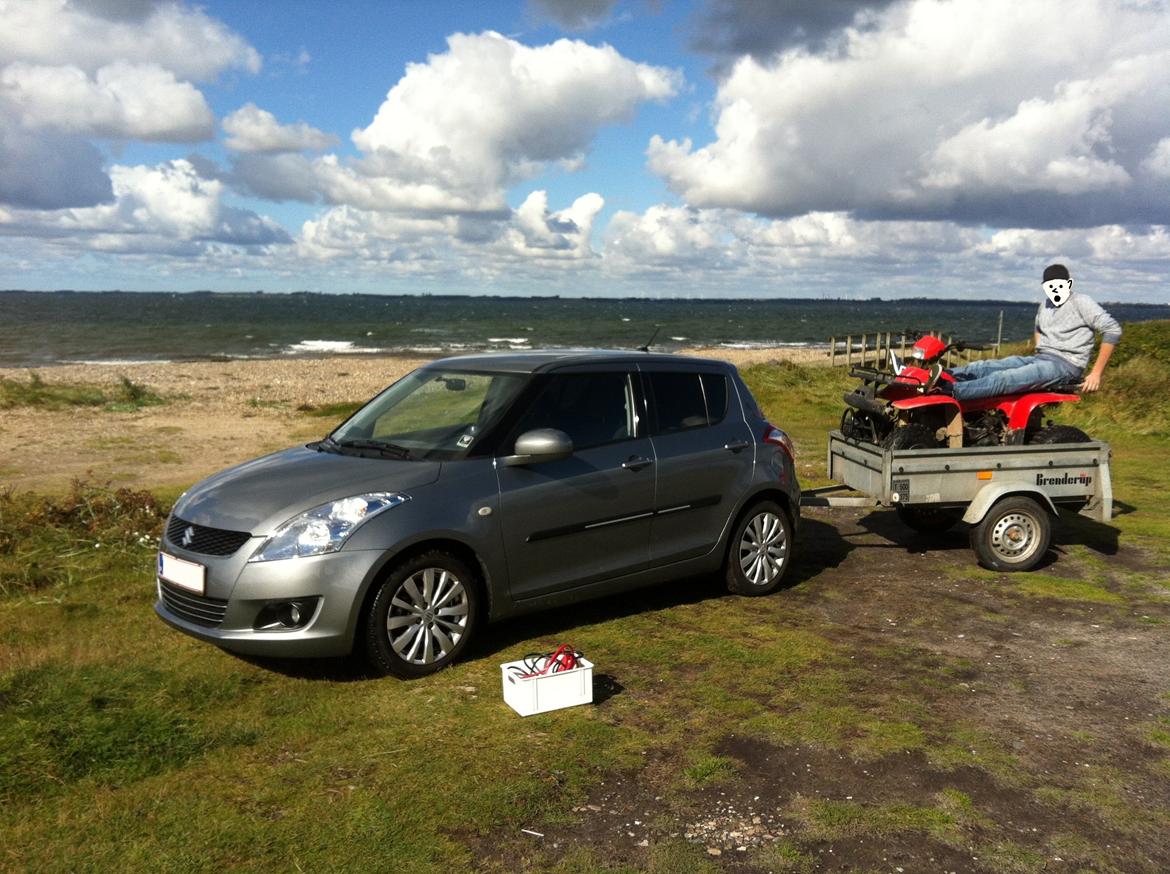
[{"x": 185, "y": 574}]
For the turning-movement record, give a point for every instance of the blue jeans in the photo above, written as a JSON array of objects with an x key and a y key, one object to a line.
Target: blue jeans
[{"x": 1018, "y": 373}]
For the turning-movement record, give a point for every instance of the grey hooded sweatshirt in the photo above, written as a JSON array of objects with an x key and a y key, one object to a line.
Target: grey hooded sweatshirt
[{"x": 1066, "y": 331}]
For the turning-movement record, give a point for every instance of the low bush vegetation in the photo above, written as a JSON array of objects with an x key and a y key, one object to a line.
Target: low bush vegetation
[{"x": 37, "y": 393}]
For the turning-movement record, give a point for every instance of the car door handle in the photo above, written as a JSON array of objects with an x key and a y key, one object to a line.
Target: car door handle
[
  {"x": 736, "y": 446},
  {"x": 636, "y": 462}
]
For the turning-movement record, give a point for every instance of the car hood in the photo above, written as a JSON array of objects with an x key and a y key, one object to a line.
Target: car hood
[{"x": 260, "y": 495}]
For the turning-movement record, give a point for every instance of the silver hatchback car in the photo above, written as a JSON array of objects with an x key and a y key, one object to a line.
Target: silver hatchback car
[{"x": 477, "y": 488}]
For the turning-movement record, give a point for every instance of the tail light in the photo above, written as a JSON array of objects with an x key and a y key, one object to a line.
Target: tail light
[{"x": 776, "y": 437}]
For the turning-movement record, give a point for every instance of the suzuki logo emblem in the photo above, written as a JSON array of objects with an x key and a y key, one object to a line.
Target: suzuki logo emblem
[{"x": 188, "y": 535}]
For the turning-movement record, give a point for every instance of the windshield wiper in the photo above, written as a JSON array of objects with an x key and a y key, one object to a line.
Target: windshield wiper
[{"x": 382, "y": 446}]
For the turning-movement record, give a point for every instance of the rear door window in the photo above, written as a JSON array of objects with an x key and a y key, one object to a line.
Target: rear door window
[{"x": 687, "y": 400}]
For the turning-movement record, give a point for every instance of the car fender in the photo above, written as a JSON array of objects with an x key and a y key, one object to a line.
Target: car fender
[{"x": 987, "y": 496}]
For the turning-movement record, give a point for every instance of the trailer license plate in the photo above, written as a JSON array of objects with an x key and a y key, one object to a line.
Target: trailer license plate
[{"x": 185, "y": 574}]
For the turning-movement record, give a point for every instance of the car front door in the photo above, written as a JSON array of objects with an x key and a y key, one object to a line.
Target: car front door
[
  {"x": 705, "y": 458},
  {"x": 585, "y": 518}
]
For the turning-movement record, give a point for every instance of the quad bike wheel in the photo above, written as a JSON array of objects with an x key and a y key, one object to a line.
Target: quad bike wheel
[
  {"x": 912, "y": 436},
  {"x": 1013, "y": 536},
  {"x": 1060, "y": 434}
]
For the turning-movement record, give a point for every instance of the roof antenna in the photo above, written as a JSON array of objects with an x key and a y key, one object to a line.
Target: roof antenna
[{"x": 646, "y": 347}]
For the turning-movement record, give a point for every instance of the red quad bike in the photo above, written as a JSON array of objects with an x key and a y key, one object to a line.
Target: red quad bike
[{"x": 903, "y": 408}]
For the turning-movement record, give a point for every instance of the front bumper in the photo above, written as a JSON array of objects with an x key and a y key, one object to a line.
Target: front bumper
[{"x": 338, "y": 580}]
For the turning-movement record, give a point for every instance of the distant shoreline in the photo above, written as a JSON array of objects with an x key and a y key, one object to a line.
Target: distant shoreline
[{"x": 642, "y": 299}]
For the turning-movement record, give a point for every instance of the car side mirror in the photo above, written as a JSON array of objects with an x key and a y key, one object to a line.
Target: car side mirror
[{"x": 540, "y": 445}]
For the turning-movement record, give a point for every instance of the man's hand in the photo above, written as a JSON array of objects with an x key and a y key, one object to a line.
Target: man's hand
[{"x": 1092, "y": 382}]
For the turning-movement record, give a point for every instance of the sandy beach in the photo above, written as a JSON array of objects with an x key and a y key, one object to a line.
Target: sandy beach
[{"x": 217, "y": 413}]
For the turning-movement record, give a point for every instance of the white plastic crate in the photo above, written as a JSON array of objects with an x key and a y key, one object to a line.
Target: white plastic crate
[{"x": 529, "y": 695}]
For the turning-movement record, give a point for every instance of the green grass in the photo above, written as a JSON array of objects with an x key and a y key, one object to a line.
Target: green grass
[
  {"x": 1041, "y": 585},
  {"x": 126, "y": 745},
  {"x": 127, "y": 396}
]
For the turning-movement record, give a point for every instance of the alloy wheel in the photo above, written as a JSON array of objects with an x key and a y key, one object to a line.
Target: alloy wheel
[
  {"x": 763, "y": 548},
  {"x": 427, "y": 616}
]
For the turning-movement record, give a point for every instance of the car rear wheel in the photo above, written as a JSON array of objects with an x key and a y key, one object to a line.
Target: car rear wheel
[
  {"x": 422, "y": 615},
  {"x": 760, "y": 550}
]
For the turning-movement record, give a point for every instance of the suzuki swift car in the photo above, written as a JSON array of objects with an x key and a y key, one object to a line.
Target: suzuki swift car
[{"x": 477, "y": 488}]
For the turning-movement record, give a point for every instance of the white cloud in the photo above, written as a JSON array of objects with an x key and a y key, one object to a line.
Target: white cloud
[
  {"x": 965, "y": 109},
  {"x": 1157, "y": 163},
  {"x": 123, "y": 101},
  {"x": 457, "y": 131},
  {"x": 167, "y": 208},
  {"x": 252, "y": 129},
  {"x": 185, "y": 41},
  {"x": 531, "y": 238},
  {"x": 111, "y": 69}
]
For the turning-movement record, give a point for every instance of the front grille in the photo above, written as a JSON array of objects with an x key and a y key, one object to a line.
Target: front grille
[
  {"x": 208, "y": 541},
  {"x": 194, "y": 608}
]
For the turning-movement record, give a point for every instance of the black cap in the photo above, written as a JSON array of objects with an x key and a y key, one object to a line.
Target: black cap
[{"x": 1055, "y": 271}]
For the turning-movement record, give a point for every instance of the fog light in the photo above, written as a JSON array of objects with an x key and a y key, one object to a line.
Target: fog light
[{"x": 285, "y": 615}]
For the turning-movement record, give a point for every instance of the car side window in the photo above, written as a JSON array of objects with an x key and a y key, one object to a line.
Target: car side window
[
  {"x": 592, "y": 408},
  {"x": 688, "y": 400}
]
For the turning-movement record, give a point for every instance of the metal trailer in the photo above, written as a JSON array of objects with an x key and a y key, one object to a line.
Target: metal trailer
[{"x": 1009, "y": 495}]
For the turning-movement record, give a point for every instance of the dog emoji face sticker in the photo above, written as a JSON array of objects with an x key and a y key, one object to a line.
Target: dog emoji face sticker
[{"x": 1057, "y": 284}]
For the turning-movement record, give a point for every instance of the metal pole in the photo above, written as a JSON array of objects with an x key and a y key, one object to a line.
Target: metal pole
[{"x": 999, "y": 334}]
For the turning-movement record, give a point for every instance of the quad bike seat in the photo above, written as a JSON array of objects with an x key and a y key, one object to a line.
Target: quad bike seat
[{"x": 1069, "y": 387}]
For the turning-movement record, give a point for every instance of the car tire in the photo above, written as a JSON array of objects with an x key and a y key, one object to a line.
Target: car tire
[
  {"x": 422, "y": 615},
  {"x": 1013, "y": 535},
  {"x": 760, "y": 550}
]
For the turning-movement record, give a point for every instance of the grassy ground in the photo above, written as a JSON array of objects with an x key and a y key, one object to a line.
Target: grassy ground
[{"x": 895, "y": 707}]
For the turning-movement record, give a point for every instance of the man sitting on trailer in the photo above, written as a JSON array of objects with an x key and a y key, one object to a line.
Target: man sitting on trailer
[{"x": 1065, "y": 328}]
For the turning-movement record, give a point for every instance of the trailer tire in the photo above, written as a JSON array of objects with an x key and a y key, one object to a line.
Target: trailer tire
[
  {"x": 1013, "y": 535},
  {"x": 1060, "y": 434},
  {"x": 929, "y": 519},
  {"x": 912, "y": 436}
]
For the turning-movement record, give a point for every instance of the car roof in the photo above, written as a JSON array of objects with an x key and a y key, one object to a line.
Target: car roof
[{"x": 540, "y": 360}]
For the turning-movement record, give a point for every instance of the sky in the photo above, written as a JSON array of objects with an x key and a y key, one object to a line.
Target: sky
[{"x": 656, "y": 148}]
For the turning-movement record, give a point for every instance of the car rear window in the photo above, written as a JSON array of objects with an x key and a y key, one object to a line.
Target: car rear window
[{"x": 687, "y": 400}]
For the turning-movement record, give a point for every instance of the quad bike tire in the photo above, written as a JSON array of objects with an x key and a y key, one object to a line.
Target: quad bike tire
[
  {"x": 1060, "y": 434},
  {"x": 912, "y": 436}
]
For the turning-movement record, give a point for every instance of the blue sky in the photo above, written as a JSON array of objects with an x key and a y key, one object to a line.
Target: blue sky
[{"x": 573, "y": 147}]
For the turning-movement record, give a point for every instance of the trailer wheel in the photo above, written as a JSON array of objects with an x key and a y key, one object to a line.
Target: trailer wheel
[
  {"x": 1013, "y": 536},
  {"x": 928, "y": 519}
]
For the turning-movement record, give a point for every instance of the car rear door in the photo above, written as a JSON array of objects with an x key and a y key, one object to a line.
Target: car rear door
[
  {"x": 586, "y": 518},
  {"x": 704, "y": 455}
]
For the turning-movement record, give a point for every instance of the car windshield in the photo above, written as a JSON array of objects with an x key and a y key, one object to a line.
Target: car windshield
[{"x": 431, "y": 413}]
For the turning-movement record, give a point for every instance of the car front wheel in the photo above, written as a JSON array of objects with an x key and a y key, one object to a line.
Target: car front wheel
[
  {"x": 760, "y": 550},
  {"x": 422, "y": 616}
]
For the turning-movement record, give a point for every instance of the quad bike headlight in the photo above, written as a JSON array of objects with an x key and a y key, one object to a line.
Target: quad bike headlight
[{"x": 325, "y": 529}]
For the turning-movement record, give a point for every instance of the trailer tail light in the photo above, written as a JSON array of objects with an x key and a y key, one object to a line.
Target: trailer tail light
[{"x": 776, "y": 437}]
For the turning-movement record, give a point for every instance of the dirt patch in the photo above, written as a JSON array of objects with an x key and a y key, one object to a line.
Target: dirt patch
[{"x": 1034, "y": 750}]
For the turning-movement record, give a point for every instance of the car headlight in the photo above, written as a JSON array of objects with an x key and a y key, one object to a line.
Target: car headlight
[{"x": 325, "y": 529}]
